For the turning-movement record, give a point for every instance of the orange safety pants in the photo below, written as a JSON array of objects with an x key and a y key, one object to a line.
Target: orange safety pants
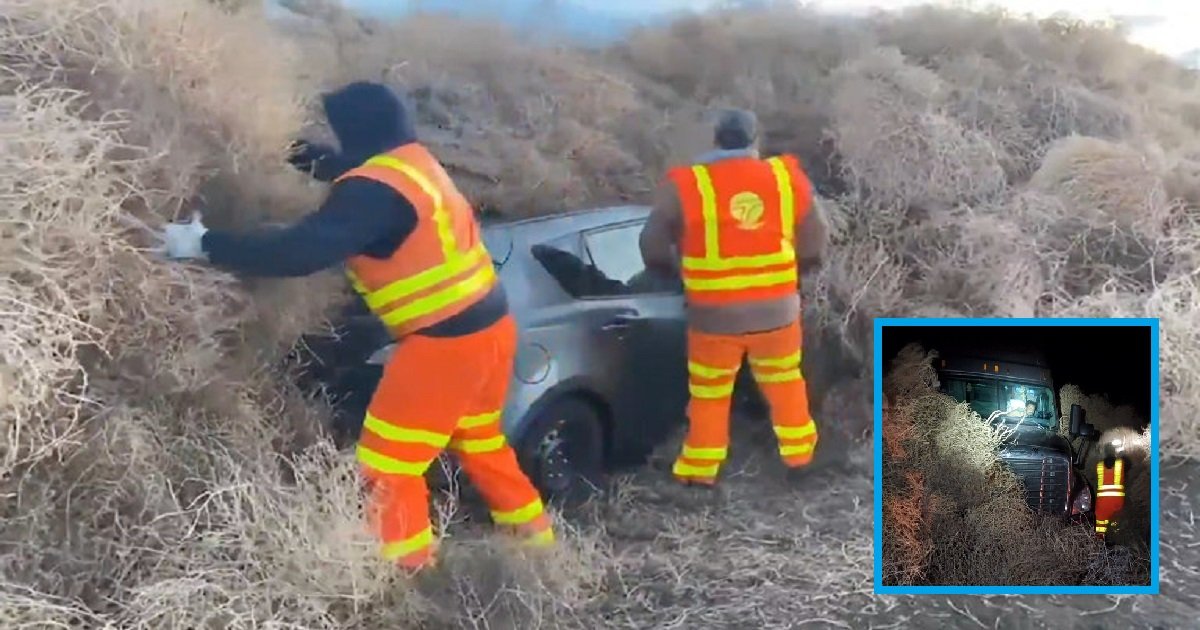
[
  {"x": 1110, "y": 495},
  {"x": 713, "y": 365},
  {"x": 1106, "y": 509},
  {"x": 437, "y": 393}
]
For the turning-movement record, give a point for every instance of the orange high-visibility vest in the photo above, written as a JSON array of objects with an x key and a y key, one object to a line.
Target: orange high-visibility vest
[
  {"x": 442, "y": 267},
  {"x": 739, "y": 218},
  {"x": 1110, "y": 494}
]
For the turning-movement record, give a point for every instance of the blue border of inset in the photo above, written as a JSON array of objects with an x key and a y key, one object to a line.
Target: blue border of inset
[{"x": 882, "y": 589}]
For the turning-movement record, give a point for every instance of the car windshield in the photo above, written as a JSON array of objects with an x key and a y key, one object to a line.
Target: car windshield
[{"x": 1015, "y": 401}]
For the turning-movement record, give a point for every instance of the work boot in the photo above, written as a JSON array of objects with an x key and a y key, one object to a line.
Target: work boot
[
  {"x": 690, "y": 493},
  {"x": 544, "y": 539},
  {"x": 418, "y": 566},
  {"x": 695, "y": 483},
  {"x": 830, "y": 456}
]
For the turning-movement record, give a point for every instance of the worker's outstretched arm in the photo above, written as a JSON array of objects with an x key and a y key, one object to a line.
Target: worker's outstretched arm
[
  {"x": 660, "y": 236},
  {"x": 359, "y": 216},
  {"x": 812, "y": 226},
  {"x": 812, "y": 236}
]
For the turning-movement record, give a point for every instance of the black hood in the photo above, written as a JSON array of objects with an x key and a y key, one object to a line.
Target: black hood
[
  {"x": 367, "y": 118},
  {"x": 1037, "y": 437}
]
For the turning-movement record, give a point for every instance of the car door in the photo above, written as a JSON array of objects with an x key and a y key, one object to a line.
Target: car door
[{"x": 642, "y": 314}]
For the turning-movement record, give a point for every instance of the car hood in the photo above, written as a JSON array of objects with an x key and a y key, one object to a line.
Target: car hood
[{"x": 1036, "y": 438}]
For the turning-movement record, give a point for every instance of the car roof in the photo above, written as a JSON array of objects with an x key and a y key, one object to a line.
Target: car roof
[{"x": 575, "y": 220}]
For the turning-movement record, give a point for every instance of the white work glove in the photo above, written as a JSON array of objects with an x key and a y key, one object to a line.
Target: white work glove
[{"x": 182, "y": 241}]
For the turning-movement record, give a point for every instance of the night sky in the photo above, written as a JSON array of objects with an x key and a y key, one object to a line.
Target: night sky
[{"x": 1110, "y": 360}]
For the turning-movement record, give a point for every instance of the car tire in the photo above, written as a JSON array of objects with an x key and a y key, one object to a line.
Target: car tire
[{"x": 563, "y": 452}]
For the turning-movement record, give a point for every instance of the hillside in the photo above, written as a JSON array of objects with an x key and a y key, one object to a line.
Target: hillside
[{"x": 158, "y": 468}]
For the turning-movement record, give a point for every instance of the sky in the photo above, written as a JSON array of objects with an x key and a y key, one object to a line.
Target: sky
[
  {"x": 1169, "y": 26},
  {"x": 1111, "y": 360}
]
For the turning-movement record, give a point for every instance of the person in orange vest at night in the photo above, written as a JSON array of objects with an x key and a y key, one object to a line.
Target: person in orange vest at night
[
  {"x": 1110, "y": 487},
  {"x": 412, "y": 249},
  {"x": 736, "y": 226}
]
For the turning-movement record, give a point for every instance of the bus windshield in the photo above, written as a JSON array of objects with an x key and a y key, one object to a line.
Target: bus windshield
[{"x": 1017, "y": 402}]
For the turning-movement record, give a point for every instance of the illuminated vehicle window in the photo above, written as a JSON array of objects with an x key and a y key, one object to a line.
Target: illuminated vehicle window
[{"x": 1017, "y": 401}]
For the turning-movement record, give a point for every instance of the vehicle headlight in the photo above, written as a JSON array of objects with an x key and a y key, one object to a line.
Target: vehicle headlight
[{"x": 1082, "y": 502}]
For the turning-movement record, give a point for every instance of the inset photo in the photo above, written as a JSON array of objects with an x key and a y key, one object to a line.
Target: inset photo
[{"x": 1016, "y": 456}]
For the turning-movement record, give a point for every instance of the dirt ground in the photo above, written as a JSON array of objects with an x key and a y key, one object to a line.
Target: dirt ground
[
  {"x": 767, "y": 553},
  {"x": 819, "y": 537}
]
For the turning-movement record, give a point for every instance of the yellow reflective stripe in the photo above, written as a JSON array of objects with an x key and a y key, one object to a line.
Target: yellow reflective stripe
[
  {"x": 796, "y": 433},
  {"x": 544, "y": 538},
  {"x": 482, "y": 445},
  {"x": 357, "y": 284},
  {"x": 435, "y": 301},
  {"x": 778, "y": 377},
  {"x": 395, "y": 550},
  {"x": 785, "y": 255},
  {"x": 429, "y": 278},
  {"x": 787, "y": 200},
  {"x": 749, "y": 281},
  {"x": 1110, "y": 493},
  {"x": 788, "y": 450},
  {"x": 710, "y": 391},
  {"x": 519, "y": 516},
  {"x": 481, "y": 420},
  {"x": 389, "y": 465},
  {"x": 708, "y": 207},
  {"x": 440, "y": 217},
  {"x": 716, "y": 453},
  {"x": 687, "y": 470},
  {"x": 704, "y": 371},
  {"x": 1118, "y": 471},
  {"x": 1111, "y": 487},
  {"x": 712, "y": 259},
  {"x": 394, "y": 433},
  {"x": 781, "y": 362}
]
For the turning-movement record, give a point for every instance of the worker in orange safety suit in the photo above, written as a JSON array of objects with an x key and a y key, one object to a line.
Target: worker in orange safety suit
[
  {"x": 412, "y": 249},
  {"x": 735, "y": 226},
  {"x": 1110, "y": 487}
]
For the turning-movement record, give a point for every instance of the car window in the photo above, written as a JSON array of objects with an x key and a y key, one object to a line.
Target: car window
[
  {"x": 498, "y": 242},
  {"x": 562, "y": 261},
  {"x": 980, "y": 394},
  {"x": 615, "y": 251},
  {"x": 616, "y": 260}
]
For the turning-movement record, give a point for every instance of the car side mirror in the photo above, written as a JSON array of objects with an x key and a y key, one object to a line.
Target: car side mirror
[
  {"x": 1076, "y": 420},
  {"x": 1079, "y": 426}
]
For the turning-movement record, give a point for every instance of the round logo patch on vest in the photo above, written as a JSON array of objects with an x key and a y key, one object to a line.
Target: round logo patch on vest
[{"x": 747, "y": 209}]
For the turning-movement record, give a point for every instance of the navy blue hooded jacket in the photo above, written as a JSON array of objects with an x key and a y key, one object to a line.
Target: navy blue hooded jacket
[{"x": 359, "y": 217}]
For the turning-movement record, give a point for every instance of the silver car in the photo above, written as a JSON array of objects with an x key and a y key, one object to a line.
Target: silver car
[{"x": 600, "y": 378}]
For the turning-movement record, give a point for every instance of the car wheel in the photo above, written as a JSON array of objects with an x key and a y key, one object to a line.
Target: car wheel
[{"x": 563, "y": 452}]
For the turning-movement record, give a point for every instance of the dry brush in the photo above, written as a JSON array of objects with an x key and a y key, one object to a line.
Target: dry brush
[{"x": 157, "y": 467}]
